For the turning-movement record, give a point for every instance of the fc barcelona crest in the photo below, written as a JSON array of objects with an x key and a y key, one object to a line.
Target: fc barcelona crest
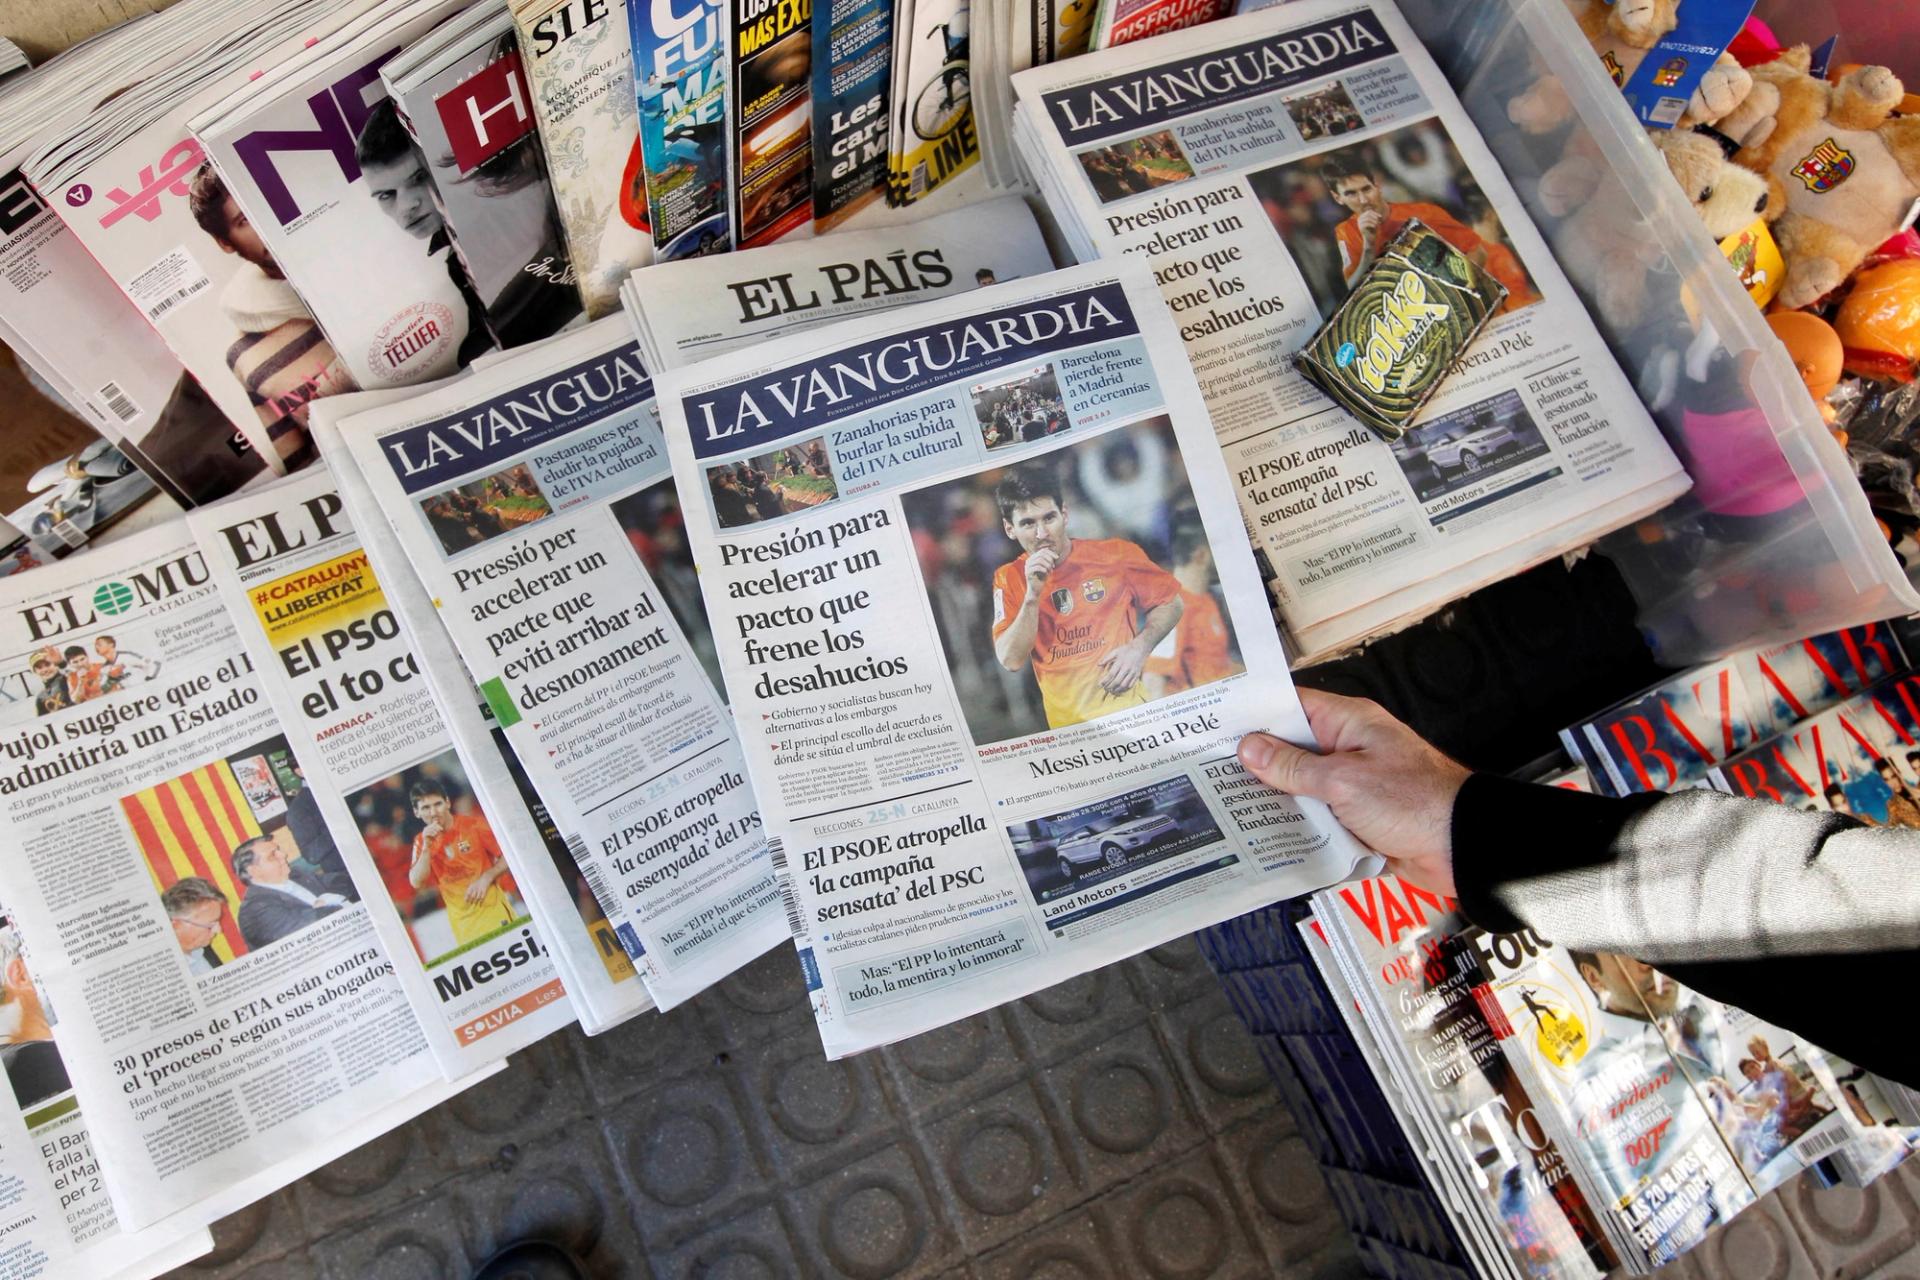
[
  {"x": 1093, "y": 589},
  {"x": 1063, "y": 601},
  {"x": 1825, "y": 167},
  {"x": 463, "y": 846}
]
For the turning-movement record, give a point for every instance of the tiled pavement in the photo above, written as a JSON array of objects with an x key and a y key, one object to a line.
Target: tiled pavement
[{"x": 1119, "y": 1125}]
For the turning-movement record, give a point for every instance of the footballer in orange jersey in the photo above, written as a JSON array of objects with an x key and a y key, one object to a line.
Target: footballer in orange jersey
[
  {"x": 1375, "y": 222},
  {"x": 1199, "y": 650},
  {"x": 458, "y": 853},
  {"x": 1074, "y": 607}
]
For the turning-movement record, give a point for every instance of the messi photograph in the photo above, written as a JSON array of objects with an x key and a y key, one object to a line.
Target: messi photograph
[
  {"x": 1073, "y": 585},
  {"x": 1335, "y": 211},
  {"x": 438, "y": 857},
  {"x": 239, "y": 854}
]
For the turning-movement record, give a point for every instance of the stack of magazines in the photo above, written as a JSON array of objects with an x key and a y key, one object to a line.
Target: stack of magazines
[
  {"x": 1829, "y": 723},
  {"x": 1224, "y": 155}
]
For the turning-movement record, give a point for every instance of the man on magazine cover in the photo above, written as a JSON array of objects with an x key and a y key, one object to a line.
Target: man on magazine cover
[
  {"x": 280, "y": 899},
  {"x": 402, "y": 185},
  {"x": 458, "y": 852},
  {"x": 1072, "y": 607},
  {"x": 280, "y": 357},
  {"x": 194, "y": 907},
  {"x": 1375, "y": 221}
]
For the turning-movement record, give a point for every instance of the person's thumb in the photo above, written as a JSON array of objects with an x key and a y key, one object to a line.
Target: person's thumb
[{"x": 1282, "y": 765}]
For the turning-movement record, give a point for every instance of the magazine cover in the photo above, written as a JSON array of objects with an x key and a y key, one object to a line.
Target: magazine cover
[
  {"x": 770, "y": 118},
  {"x": 473, "y": 121},
  {"x": 1124, "y": 21},
  {"x": 73, "y": 497},
  {"x": 414, "y": 836},
  {"x": 579, "y": 63},
  {"x": 1795, "y": 681},
  {"x": 931, "y": 137},
  {"x": 1576, "y": 1027},
  {"x": 680, "y": 79},
  {"x": 1673, "y": 734},
  {"x": 1861, "y": 757},
  {"x": 326, "y": 175},
  {"x": 852, "y": 74},
  {"x": 67, "y": 321},
  {"x": 1421, "y": 979},
  {"x": 1775, "y": 1104}
]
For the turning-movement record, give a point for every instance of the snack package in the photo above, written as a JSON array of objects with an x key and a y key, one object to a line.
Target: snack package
[{"x": 1383, "y": 352}]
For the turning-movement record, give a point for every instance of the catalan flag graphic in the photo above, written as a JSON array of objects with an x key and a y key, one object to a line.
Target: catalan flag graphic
[{"x": 188, "y": 826}]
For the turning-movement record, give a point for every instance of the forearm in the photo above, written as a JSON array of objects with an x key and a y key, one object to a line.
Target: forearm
[
  {"x": 1159, "y": 621},
  {"x": 1692, "y": 877},
  {"x": 1013, "y": 645}
]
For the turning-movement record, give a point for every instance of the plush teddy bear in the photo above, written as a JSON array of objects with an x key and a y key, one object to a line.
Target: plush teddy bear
[
  {"x": 1849, "y": 170},
  {"x": 1606, "y": 242},
  {"x": 1621, "y": 33}
]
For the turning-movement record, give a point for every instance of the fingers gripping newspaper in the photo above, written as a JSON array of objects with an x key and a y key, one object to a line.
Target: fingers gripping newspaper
[
  {"x": 991, "y": 634},
  {"x": 1260, "y": 164},
  {"x": 534, "y": 499},
  {"x": 392, "y": 794},
  {"x": 230, "y": 1019},
  {"x": 602, "y": 984}
]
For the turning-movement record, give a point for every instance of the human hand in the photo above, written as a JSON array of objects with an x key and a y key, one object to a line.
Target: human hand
[
  {"x": 477, "y": 890},
  {"x": 1120, "y": 669},
  {"x": 329, "y": 900},
  {"x": 1039, "y": 565},
  {"x": 1384, "y": 782},
  {"x": 1369, "y": 224}
]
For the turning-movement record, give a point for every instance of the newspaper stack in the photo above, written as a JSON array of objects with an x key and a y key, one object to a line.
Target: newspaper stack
[
  {"x": 420, "y": 846},
  {"x": 140, "y": 196},
  {"x": 463, "y": 96},
  {"x": 988, "y": 682},
  {"x": 688, "y": 311},
  {"x": 601, "y": 983},
  {"x": 1019, "y": 34},
  {"x": 852, "y": 75},
  {"x": 579, "y": 64},
  {"x": 1399, "y": 966},
  {"x": 932, "y": 135},
  {"x": 12, "y": 59},
  {"x": 534, "y": 502},
  {"x": 680, "y": 84},
  {"x": 64, "y": 317},
  {"x": 1259, "y": 163},
  {"x": 229, "y": 1015},
  {"x": 318, "y": 163}
]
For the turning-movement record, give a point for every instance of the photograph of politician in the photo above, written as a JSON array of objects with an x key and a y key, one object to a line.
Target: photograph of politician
[
  {"x": 1055, "y": 586},
  {"x": 480, "y": 510},
  {"x": 1086, "y": 846},
  {"x": 656, "y": 529},
  {"x": 239, "y": 855},
  {"x": 1019, "y": 408},
  {"x": 1335, "y": 211},
  {"x": 27, "y": 1053},
  {"x": 438, "y": 857},
  {"x": 1122, "y": 169},
  {"x": 797, "y": 477},
  {"x": 1324, "y": 113},
  {"x": 1469, "y": 444}
]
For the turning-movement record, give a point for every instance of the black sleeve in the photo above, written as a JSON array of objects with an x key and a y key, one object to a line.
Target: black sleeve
[{"x": 1807, "y": 920}]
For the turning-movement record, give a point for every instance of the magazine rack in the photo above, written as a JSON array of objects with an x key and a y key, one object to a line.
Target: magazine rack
[{"x": 1776, "y": 540}]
